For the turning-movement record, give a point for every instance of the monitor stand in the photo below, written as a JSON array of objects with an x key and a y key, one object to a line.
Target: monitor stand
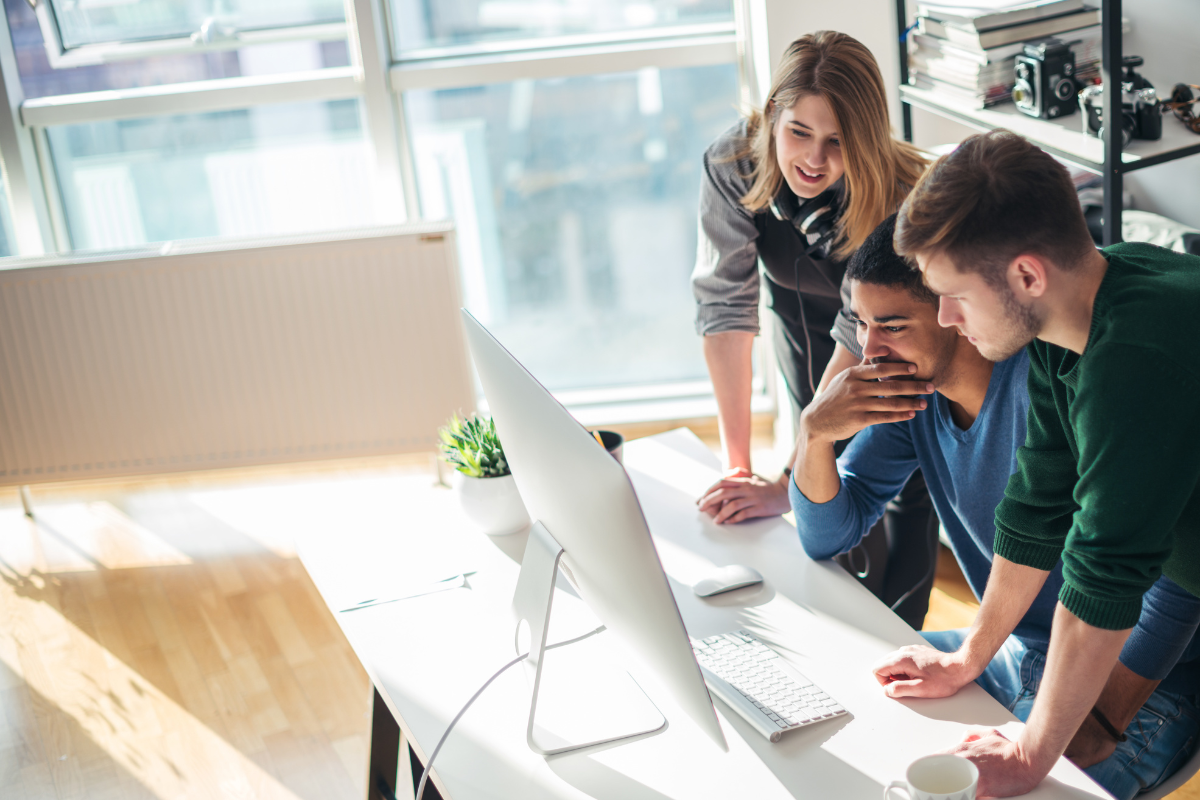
[{"x": 585, "y": 699}]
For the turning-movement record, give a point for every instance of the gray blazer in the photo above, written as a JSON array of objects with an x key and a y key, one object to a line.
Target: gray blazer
[{"x": 725, "y": 281}]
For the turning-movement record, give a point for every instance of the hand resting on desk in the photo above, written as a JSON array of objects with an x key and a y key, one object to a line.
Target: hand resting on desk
[
  {"x": 742, "y": 496},
  {"x": 921, "y": 671},
  {"x": 1005, "y": 769}
]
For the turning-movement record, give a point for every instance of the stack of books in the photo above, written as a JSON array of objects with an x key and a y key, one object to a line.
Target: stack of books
[{"x": 967, "y": 50}]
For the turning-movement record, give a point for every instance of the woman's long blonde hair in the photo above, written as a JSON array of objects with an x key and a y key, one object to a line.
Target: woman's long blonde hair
[{"x": 879, "y": 169}]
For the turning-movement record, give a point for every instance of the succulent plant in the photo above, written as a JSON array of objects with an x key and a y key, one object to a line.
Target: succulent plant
[{"x": 473, "y": 447}]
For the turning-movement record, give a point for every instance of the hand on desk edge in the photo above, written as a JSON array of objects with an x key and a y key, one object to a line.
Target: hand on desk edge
[
  {"x": 1079, "y": 667},
  {"x": 1005, "y": 768},
  {"x": 742, "y": 497},
  {"x": 919, "y": 670}
]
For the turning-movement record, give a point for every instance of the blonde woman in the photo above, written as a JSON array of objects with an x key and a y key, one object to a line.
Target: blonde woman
[{"x": 798, "y": 185}]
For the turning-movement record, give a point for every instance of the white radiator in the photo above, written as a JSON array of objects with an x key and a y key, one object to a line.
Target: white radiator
[{"x": 230, "y": 354}]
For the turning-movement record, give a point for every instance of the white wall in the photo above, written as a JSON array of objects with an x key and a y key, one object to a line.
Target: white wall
[
  {"x": 872, "y": 22},
  {"x": 1165, "y": 32}
]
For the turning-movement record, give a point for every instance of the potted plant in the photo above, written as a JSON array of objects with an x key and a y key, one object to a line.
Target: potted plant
[{"x": 487, "y": 490}]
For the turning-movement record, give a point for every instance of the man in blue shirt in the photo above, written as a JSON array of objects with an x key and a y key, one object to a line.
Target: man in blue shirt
[{"x": 924, "y": 397}]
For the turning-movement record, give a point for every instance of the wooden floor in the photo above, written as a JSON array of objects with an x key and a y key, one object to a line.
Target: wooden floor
[
  {"x": 150, "y": 649},
  {"x": 160, "y": 639},
  {"x": 951, "y": 603}
]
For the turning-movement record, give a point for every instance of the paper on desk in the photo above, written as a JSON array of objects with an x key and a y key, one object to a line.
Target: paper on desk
[
  {"x": 351, "y": 570},
  {"x": 399, "y": 578},
  {"x": 455, "y": 582}
]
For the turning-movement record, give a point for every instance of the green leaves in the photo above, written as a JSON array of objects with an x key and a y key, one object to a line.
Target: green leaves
[{"x": 473, "y": 447}]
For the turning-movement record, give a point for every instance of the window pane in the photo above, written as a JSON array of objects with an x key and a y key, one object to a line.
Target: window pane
[
  {"x": 82, "y": 22},
  {"x": 39, "y": 79},
  {"x": 8, "y": 245},
  {"x": 419, "y": 24},
  {"x": 575, "y": 203},
  {"x": 264, "y": 170}
]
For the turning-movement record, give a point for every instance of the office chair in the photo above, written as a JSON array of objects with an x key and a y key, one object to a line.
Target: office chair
[{"x": 1190, "y": 767}]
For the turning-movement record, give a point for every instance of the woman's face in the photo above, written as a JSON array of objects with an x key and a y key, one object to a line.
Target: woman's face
[{"x": 808, "y": 146}]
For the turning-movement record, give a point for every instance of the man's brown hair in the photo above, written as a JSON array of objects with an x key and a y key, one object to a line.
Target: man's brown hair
[{"x": 994, "y": 198}]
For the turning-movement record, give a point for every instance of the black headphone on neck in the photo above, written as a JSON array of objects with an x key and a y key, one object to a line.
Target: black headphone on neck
[
  {"x": 811, "y": 217},
  {"x": 814, "y": 220}
]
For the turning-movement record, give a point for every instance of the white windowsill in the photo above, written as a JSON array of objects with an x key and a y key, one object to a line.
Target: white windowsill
[
  {"x": 628, "y": 405},
  {"x": 680, "y": 408}
]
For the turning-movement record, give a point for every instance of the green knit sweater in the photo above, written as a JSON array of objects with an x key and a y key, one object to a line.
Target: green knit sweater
[{"x": 1109, "y": 476}]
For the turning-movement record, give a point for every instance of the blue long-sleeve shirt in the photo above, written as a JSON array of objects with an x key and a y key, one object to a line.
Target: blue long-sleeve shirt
[{"x": 966, "y": 472}]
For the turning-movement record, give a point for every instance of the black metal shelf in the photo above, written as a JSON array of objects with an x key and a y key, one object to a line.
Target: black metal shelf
[{"x": 1063, "y": 138}]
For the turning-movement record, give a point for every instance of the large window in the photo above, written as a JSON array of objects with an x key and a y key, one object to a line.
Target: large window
[
  {"x": 6, "y": 232},
  {"x": 42, "y": 77},
  {"x": 564, "y": 137},
  {"x": 266, "y": 170},
  {"x": 87, "y": 32},
  {"x": 82, "y": 23},
  {"x": 575, "y": 200},
  {"x": 574, "y": 195}
]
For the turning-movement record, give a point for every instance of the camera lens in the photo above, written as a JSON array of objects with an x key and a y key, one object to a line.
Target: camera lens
[
  {"x": 1022, "y": 94},
  {"x": 1128, "y": 126}
]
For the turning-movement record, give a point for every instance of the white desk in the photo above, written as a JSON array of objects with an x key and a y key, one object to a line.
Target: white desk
[{"x": 427, "y": 655}]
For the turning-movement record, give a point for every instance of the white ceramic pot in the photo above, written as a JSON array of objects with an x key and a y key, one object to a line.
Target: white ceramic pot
[{"x": 494, "y": 504}]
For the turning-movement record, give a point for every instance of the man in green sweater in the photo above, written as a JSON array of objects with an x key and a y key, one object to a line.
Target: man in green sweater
[{"x": 1108, "y": 477}]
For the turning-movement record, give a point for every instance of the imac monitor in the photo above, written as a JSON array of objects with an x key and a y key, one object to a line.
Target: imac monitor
[{"x": 586, "y": 514}]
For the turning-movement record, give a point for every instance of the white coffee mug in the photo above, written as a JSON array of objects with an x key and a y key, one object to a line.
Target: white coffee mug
[{"x": 937, "y": 778}]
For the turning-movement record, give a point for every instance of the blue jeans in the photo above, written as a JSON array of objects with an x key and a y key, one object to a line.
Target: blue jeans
[{"x": 1160, "y": 740}]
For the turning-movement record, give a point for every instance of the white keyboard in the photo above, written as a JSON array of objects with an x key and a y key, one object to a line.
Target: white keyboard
[{"x": 764, "y": 689}]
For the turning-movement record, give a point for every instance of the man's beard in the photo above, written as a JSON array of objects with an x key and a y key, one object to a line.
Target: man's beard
[
  {"x": 942, "y": 372},
  {"x": 1023, "y": 326}
]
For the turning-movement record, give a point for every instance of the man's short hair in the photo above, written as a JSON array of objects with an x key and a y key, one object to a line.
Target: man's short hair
[
  {"x": 876, "y": 262},
  {"x": 994, "y": 198}
]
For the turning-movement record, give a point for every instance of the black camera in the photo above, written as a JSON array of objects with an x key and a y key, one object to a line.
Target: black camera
[
  {"x": 1045, "y": 85},
  {"x": 1141, "y": 114}
]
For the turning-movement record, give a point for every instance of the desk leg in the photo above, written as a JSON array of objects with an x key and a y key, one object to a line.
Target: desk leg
[
  {"x": 431, "y": 792},
  {"x": 26, "y": 503},
  {"x": 393, "y": 763},
  {"x": 385, "y": 753}
]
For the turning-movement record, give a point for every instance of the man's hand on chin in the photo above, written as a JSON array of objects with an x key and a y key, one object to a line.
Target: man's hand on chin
[{"x": 1004, "y": 769}]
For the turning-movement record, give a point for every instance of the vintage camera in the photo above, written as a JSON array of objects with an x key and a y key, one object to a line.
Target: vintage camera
[
  {"x": 1141, "y": 114},
  {"x": 1045, "y": 85}
]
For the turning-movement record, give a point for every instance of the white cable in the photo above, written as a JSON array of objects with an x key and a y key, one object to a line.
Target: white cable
[
  {"x": 428, "y": 766},
  {"x": 474, "y": 697}
]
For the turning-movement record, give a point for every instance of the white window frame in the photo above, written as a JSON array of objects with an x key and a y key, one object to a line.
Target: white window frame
[
  {"x": 378, "y": 80},
  {"x": 221, "y": 94},
  {"x": 555, "y": 60}
]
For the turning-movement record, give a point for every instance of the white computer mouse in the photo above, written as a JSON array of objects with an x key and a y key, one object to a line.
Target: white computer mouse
[{"x": 726, "y": 579}]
